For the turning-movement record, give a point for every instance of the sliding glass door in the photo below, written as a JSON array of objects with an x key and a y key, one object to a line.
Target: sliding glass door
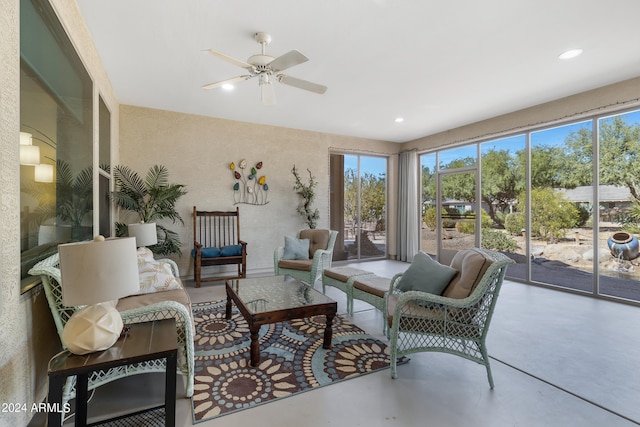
[
  {"x": 358, "y": 206},
  {"x": 563, "y": 202}
]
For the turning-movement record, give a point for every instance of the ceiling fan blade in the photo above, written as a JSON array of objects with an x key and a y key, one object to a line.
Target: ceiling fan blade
[
  {"x": 302, "y": 84},
  {"x": 227, "y": 81},
  {"x": 231, "y": 59},
  {"x": 287, "y": 60}
]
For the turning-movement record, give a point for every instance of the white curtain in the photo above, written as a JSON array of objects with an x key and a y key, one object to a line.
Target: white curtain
[{"x": 408, "y": 212}]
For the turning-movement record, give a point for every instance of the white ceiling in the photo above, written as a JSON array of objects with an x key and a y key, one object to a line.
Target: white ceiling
[{"x": 439, "y": 64}]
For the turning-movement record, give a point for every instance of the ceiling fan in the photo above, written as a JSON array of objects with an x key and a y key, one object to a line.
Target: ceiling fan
[{"x": 267, "y": 69}]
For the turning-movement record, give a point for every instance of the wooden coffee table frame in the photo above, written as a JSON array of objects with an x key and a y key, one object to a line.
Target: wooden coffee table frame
[{"x": 256, "y": 320}]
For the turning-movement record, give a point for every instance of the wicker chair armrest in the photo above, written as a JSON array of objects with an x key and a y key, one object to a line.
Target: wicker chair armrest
[
  {"x": 321, "y": 259},
  {"x": 242, "y": 242},
  {"x": 426, "y": 299},
  {"x": 394, "y": 282},
  {"x": 157, "y": 311},
  {"x": 172, "y": 264},
  {"x": 197, "y": 245},
  {"x": 48, "y": 267},
  {"x": 319, "y": 253}
]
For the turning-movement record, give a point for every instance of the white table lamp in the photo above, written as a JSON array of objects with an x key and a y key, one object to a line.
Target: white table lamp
[
  {"x": 95, "y": 273},
  {"x": 144, "y": 232}
]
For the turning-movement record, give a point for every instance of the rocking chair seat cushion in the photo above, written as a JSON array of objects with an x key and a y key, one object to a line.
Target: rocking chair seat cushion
[
  {"x": 296, "y": 264},
  {"x": 426, "y": 275},
  {"x": 231, "y": 250},
  {"x": 296, "y": 248},
  {"x": 209, "y": 252}
]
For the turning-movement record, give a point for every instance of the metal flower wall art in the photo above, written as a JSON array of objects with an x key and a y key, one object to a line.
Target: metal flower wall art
[{"x": 250, "y": 187}]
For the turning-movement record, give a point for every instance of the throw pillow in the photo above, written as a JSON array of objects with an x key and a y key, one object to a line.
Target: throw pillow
[
  {"x": 155, "y": 276},
  {"x": 426, "y": 275},
  {"x": 296, "y": 248}
]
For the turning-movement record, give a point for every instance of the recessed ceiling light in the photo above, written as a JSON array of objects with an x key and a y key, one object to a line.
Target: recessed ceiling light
[
  {"x": 399, "y": 119},
  {"x": 570, "y": 54},
  {"x": 227, "y": 86}
]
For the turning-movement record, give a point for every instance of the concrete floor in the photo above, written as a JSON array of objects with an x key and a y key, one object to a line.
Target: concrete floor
[{"x": 558, "y": 359}]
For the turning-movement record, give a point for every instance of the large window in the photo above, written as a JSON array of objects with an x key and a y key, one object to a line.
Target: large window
[
  {"x": 358, "y": 206},
  {"x": 56, "y": 151},
  {"x": 557, "y": 200}
]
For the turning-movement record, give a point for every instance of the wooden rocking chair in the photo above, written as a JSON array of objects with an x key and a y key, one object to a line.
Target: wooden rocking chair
[{"x": 216, "y": 241}]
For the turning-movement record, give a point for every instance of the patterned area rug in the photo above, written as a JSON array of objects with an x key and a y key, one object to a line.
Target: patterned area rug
[{"x": 292, "y": 359}]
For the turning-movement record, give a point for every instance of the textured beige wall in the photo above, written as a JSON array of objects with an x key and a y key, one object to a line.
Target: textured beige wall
[
  {"x": 15, "y": 375},
  {"x": 614, "y": 97},
  {"x": 28, "y": 336},
  {"x": 197, "y": 151}
]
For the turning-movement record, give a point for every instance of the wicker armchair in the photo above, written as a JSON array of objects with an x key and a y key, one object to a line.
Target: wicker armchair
[
  {"x": 48, "y": 270},
  {"x": 452, "y": 323},
  {"x": 320, "y": 255}
]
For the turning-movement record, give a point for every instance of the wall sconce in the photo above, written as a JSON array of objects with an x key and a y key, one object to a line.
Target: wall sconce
[
  {"x": 43, "y": 173},
  {"x": 29, "y": 153}
]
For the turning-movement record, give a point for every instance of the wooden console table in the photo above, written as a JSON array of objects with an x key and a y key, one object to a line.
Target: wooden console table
[{"x": 142, "y": 342}]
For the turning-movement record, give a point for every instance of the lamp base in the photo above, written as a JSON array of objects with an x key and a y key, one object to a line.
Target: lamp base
[{"x": 93, "y": 328}]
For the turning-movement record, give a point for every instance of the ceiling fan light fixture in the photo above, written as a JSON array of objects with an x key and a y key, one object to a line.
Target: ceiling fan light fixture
[
  {"x": 399, "y": 119},
  {"x": 571, "y": 53},
  {"x": 267, "y": 93},
  {"x": 228, "y": 87}
]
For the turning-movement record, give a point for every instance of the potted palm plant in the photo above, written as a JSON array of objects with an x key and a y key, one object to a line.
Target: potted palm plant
[{"x": 152, "y": 198}]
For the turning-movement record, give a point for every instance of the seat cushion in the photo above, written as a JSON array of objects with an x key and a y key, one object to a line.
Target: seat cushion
[
  {"x": 135, "y": 301},
  {"x": 472, "y": 265},
  {"x": 295, "y": 248},
  {"x": 143, "y": 300},
  {"x": 342, "y": 274},
  {"x": 412, "y": 313},
  {"x": 231, "y": 250},
  {"x": 296, "y": 264},
  {"x": 210, "y": 252},
  {"x": 426, "y": 275},
  {"x": 372, "y": 285},
  {"x": 318, "y": 239}
]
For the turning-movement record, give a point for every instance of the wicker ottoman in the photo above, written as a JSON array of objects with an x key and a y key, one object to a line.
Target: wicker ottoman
[
  {"x": 371, "y": 289},
  {"x": 341, "y": 278}
]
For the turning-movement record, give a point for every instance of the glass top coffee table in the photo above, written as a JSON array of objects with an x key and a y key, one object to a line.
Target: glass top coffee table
[{"x": 264, "y": 300}]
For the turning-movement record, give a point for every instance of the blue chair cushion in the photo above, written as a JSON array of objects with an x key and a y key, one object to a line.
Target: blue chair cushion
[
  {"x": 211, "y": 252},
  {"x": 208, "y": 253},
  {"x": 426, "y": 275},
  {"x": 231, "y": 250},
  {"x": 296, "y": 248}
]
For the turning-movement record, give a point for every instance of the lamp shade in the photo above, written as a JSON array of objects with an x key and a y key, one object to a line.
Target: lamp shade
[
  {"x": 29, "y": 155},
  {"x": 26, "y": 138},
  {"x": 144, "y": 232},
  {"x": 98, "y": 271},
  {"x": 43, "y": 173}
]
